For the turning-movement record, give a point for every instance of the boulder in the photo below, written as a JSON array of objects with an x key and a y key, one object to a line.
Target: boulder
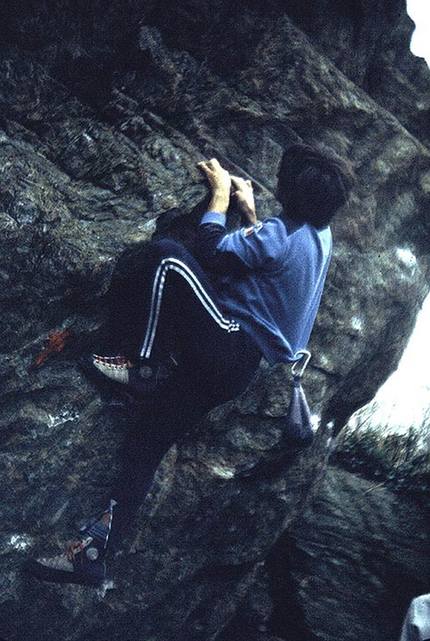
[{"x": 105, "y": 111}]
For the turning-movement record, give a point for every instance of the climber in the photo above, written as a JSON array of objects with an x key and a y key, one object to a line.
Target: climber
[{"x": 206, "y": 323}]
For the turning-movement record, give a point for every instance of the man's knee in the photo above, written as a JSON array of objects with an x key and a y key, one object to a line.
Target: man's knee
[{"x": 167, "y": 248}]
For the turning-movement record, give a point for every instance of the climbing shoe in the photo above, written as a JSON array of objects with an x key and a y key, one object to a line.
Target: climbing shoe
[
  {"x": 82, "y": 562},
  {"x": 143, "y": 378}
]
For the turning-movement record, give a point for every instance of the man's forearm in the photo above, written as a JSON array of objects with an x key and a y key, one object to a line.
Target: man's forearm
[
  {"x": 219, "y": 202},
  {"x": 220, "y": 183}
]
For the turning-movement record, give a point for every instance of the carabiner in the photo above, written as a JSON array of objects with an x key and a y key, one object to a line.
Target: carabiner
[{"x": 305, "y": 355}]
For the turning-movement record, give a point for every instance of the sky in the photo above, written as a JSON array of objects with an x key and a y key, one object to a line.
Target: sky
[
  {"x": 419, "y": 11},
  {"x": 404, "y": 399}
]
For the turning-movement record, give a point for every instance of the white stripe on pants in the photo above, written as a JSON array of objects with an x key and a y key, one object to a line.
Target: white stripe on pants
[{"x": 173, "y": 264}]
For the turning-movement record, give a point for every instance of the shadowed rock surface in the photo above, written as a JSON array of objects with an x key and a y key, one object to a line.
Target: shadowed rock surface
[{"x": 105, "y": 109}]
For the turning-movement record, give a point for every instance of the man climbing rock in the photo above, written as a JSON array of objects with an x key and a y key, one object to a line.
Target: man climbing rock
[{"x": 207, "y": 322}]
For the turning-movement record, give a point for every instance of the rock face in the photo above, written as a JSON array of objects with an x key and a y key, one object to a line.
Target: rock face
[{"x": 106, "y": 107}]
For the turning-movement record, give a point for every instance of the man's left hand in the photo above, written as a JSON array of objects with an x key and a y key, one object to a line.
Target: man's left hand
[{"x": 220, "y": 183}]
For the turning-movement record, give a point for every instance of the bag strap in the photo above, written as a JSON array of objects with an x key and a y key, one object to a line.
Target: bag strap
[{"x": 303, "y": 357}]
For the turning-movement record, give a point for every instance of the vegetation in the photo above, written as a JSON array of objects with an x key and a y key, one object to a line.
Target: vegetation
[{"x": 400, "y": 461}]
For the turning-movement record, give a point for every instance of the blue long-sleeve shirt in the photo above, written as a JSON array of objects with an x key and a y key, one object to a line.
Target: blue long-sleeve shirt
[{"x": 270, "y": 278}]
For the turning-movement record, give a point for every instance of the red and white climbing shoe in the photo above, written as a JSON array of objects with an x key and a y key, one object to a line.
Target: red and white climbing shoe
[
  {"x": 142, "y": 378},
  {"x": 82, "y": 562}
]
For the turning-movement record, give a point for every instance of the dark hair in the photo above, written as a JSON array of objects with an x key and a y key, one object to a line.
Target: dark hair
[{"x": 313, "y": 183}]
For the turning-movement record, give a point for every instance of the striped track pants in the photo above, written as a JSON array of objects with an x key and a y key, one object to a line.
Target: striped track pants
[{"x": 179, "y": 285}]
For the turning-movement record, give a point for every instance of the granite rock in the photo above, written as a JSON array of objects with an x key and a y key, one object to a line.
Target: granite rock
[{"x": 105, "y": 109}]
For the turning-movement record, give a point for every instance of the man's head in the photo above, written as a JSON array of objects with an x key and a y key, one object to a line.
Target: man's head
[{"x": 313, "y": 183}]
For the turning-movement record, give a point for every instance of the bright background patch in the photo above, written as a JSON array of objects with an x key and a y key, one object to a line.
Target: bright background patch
[{"x": 419, "y": 11}]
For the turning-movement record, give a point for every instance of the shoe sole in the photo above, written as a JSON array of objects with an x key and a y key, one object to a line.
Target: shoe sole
[
  {"x": 114, "y": 368},
  {"x": 110, "y": 391}
]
